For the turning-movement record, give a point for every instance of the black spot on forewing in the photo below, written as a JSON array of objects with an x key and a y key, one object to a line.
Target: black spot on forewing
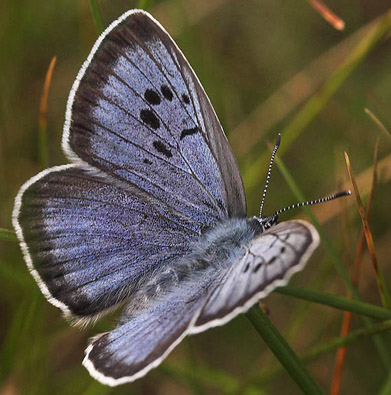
[
  {"x": 188, "y": 132},
  {"x": 160, "y": 147},
  {"x": 147, "y": 161},
  {"x": 149, "y": 118},
  {"x": 247, "y": 267},
  {"x": 152, "y": 97},
  {"x": 185, "y": 98},
  {"x": 167, "y": 93}
]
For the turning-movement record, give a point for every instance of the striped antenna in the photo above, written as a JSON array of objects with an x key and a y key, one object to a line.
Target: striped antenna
[
  {"x": 311, "y": 202},
  {"x": 269, "y": 172}
]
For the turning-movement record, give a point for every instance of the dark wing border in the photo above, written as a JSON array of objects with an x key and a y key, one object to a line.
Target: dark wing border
[{"x": 25, "y": 249}]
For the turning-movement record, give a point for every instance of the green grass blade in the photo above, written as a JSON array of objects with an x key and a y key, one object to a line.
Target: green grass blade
[
  {"x": 383, "y": 291},
  {"x": 322, "y": 349},
  {"x": 16, "y": 275},
  {"x": 378, "y": 123},
  {"x": 9, "y": 350},
  {"x": 300, "y": 312},
  {"x": 96, "y": 16},
  {"x": 8, "y": 235},
  {"x": 316, "y": 103},
  {"x": 325, "y": 240},
  {"x": 386, "y": 387},
  {"x": 379, "y": 344},
  {"x": 352, "y": 337},
  {"x": 283, "y": 351},
  {"x": 18, "y": 331},
  {"x": 337, "y": 302}
]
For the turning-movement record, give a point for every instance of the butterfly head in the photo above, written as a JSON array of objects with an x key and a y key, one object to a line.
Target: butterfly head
[{"x": 268, "y": 222}]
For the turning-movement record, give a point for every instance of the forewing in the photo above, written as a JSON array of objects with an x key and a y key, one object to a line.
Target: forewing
[
  {"x": 138, "y": 113},
  {"x": 269, "y": 262},
  {"x": 88, "y": 242},
  {"x": 208, "y": 123}
]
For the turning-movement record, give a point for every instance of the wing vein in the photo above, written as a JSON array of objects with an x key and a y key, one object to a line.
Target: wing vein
[{"x": 160, "y": 67}]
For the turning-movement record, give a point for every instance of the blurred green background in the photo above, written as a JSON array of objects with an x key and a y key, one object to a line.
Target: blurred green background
[{"x": 268, "y": 67}]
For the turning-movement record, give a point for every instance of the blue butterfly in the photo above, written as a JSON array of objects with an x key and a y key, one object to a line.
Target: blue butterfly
[{"x": 151, "y": 212}]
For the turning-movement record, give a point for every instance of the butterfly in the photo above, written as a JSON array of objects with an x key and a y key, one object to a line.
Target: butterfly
[{"x": 151, "y": 213}]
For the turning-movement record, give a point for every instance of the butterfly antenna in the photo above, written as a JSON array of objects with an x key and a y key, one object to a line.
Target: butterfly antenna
[
  {"x": 311, "y": 202},
  {"x": 269, "y": 172}
]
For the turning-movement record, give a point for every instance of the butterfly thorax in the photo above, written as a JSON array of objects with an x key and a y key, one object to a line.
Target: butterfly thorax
[{"x": 218, "y": 242}]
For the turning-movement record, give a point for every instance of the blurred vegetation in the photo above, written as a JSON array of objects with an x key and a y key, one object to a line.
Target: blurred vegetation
[{"x": 268, "y": 67}]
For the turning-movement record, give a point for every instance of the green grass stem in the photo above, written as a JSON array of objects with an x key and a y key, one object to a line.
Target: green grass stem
[
  {"x": 338, "y": 302},
  {"x": 8, "y": 235},
  {"x": 379, "y": 344},
  {"x": 317, "y": 102},
  {"x": 282, "y": 351},
  {"x": 96, "y": 16}
]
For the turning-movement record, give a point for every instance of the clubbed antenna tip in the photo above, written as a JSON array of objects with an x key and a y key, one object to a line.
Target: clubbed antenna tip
[
  {"x": 344, "y": 193},
  {"x": 278, "y": 140}
]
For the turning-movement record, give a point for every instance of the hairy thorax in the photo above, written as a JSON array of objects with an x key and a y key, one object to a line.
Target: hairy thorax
[{"x": 216, "y": 248}]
